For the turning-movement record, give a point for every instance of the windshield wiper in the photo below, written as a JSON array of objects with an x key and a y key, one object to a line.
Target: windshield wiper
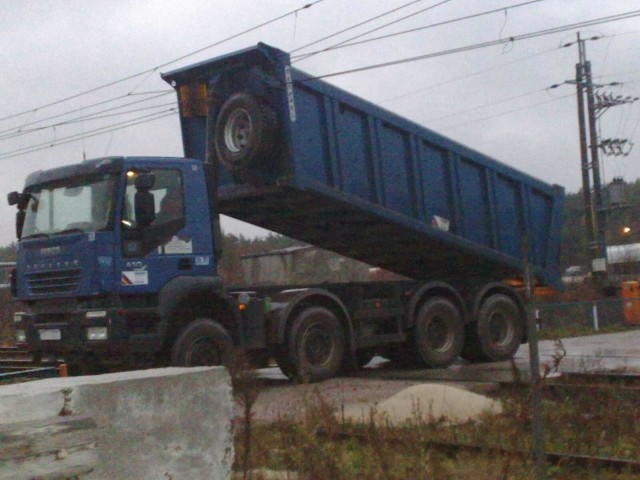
[
  {"x": 69, "y": 230},
  {"x": 36, "y": 235}
]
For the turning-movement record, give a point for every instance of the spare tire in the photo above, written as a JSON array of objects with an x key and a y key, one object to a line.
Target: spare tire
[{"x": 245, "y": 132}]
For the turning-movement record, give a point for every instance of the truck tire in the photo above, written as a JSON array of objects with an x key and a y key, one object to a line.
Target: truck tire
[
  {"x": 203, "y": 342},
  {"x": 281, "y": 356},
  {"x": 316, "y": 345},
  {"x": 245, "y": 132},
  {"x": 438, "y": 335},
  {"x": 497, "y": 334}
]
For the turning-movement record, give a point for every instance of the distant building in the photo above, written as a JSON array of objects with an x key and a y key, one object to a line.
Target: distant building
[
  {"x": 623, "y": 262},
  {"x": 307, "y": 264}
]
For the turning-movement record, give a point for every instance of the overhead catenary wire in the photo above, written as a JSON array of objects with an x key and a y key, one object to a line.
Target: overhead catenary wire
[
  {"x": 393, "y": 22},
  {"x": 468, "y": 75},
  {"x": 349, "y": 43},
  {"x": 87, "y": 107},
  {"x": 88, "y": 117},
  {"x": 165, "y": 64},
  {"x": 93, "y": 117},
  {"x": 571, "y": 95},
  {"x": 476, "y": 46},
  {"x": 89, "y": 133},
  {"x": 486, "y": 105},
  {"x": 364, "y": 22}
]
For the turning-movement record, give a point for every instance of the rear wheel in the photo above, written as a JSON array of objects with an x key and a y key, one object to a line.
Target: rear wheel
[
  {"x": 316, "y": 345},
  {"x": 497, "y": 334},
  {"x": 203, "y": 342},
  {"x": 438, "y": 335}
]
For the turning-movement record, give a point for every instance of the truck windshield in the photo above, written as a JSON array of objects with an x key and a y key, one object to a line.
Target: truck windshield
[{"x": 72, "y": 205}]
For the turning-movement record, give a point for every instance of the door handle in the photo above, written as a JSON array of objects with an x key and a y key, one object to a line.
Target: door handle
[{"x": 185, "y": 263}]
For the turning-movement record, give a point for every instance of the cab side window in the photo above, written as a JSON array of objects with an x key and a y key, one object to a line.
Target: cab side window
[{"x": 168, "y": 199}]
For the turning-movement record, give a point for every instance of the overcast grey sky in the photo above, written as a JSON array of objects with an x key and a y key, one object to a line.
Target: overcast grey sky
[{"x": 52, "y": 49}]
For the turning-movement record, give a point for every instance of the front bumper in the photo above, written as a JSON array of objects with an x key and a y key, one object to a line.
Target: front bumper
[{"x": 105, "y": 333}]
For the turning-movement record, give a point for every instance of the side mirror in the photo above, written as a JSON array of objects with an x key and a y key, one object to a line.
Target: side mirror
[
  {"x": 145, "y": 181},
  {"x": 13, "y": 198},
  {"x": 145, "y": 208},
  {"x": 20, "y": 216}
]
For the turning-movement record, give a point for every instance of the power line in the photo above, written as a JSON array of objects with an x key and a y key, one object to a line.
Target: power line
[
  {"x": 486, "y": 105},
  {"x": 364, "y": 22},
  {"x": 469, "y": 75},
  {"x": 338, "y": 45},
  {"x": 477, "y": 46},
  {"x": 88, "y": 134},
  {"x": 89, "y": 118},
  {"x": 18, "y": 132},
  {"x": 508, "y": 112},
  {"x": 156, "y": 68},
  {"x": 412, "y": 30}
]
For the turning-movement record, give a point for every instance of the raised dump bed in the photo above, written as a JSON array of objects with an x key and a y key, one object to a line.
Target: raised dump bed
[{"x": 301, "y": 157}]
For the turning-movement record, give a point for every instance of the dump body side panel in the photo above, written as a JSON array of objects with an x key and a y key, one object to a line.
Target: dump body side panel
[{"x": 354, "y": 178}]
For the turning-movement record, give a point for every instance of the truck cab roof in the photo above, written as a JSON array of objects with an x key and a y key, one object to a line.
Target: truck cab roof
[{"x": 98, "y": 165}]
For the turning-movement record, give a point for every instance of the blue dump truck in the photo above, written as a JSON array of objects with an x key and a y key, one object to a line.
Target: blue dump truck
[{"x": 117, "y": 256}]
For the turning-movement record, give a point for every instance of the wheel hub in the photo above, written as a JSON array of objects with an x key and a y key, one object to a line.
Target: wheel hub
[
  {"x": 203, "y": 353},
  {"x": 317, "y": 346},
  {"x": 439, "y": 337},
  {"x": 237, "y": 130},
  {"x": 500, "y": 329}
]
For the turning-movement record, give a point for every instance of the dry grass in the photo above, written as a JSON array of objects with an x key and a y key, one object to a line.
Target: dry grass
[{"x": 320, "y": 446}]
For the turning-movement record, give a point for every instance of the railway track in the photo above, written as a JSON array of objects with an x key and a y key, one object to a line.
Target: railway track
[
  {"x": 17, "y": 365},
  {"x": 451, "y": 448}
]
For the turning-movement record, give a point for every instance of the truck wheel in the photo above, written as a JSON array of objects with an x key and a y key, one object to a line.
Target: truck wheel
[
  {"x": 316, "y": 345},
  {"x": 281, "y": 356},
  {"x": 438, "y": 335},
  {"x": 245, "y": 131},
  {"x": 498, "y": 332},
  {"x": 203, "y": 342}
]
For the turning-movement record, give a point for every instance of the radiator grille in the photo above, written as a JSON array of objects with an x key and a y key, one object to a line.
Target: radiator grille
[{"x": 61, "y": 281}]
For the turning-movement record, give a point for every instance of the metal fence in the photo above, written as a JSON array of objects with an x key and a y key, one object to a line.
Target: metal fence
[{"x": 595, "y": 315}]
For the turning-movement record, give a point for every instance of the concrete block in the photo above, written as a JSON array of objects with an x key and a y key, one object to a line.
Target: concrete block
[{"x": 170, "y": 423}]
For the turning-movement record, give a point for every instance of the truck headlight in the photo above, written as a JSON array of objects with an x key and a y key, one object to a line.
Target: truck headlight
[
  {"x": 97, "y": 333},
  {"x": 17, "y": 317},
  {"x": 96, "y": 314},
  {"x": 21, "y": 336}
]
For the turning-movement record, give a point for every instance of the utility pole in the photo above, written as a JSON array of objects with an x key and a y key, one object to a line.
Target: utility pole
[
  {"x": 584, "y": 154},
  {"x": 600, "y": 248},
  {"x": 595, "y": 212},
  {"x": 595, "y": 220}
]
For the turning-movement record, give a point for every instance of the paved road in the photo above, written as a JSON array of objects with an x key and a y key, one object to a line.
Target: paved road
[{"x": 613, "y": 352}]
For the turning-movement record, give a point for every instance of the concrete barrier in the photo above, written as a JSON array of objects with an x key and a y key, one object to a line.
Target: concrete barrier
[{"x": 167, "y": 423}]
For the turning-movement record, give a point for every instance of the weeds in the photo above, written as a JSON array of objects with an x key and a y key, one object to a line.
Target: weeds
[{"x": 319, "y": 444}]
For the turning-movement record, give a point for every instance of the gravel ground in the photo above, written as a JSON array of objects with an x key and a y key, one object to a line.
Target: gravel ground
[
  {"x": 281, "y": 398},
  {"x": 278, "y": 397}
]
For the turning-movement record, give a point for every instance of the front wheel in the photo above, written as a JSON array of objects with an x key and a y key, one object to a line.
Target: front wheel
[
  {"x": 203, "y": 342},
  {"x": 438, "y": 335},
  {"x": 316, "y": 345}
]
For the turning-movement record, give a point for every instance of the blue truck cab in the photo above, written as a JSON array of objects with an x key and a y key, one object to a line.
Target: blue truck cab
[{"x": 96, "y": 270}]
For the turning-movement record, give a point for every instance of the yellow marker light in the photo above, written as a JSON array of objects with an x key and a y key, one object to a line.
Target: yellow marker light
[
  {"x": 626, "y": 230},
  {"x": 201, "y": 107},
  {"x": 131, "y": 174},
  {"x": 242, "y": 307},
  {"x": 185, "y": 100}
]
